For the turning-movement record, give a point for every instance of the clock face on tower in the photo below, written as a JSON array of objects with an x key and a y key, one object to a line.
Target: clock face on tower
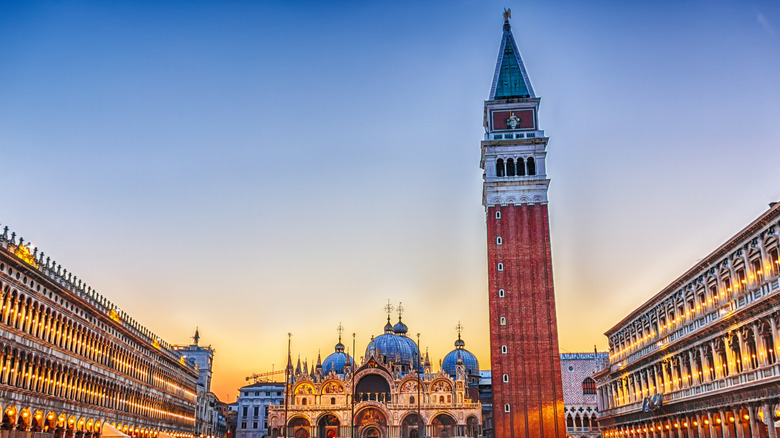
[{"x": 514, "y": 120}]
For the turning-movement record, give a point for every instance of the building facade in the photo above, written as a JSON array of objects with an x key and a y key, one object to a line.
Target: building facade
[
  {"x": 527, "y": 393},
  {"x": 253, "y": 402},
  {"x": 580, "y": 402},
  {"x": 699, "y": 358},
  {"x": 72, "y": 361},
  {"x": 209, "y": 421},
  {"x": 391, "y": 393}
]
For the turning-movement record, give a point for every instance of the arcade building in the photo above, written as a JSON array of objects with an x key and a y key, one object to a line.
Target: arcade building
[
  {"x": 391, "y": 392},
  {"x": 700, "y": 357},
  {"x": 71, "y": 361}
]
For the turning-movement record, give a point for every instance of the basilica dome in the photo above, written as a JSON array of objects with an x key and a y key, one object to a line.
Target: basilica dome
[
  {"x": 460, "y": 353},
  {"x": 336, "y": 360},
  {"x": 395, "y": 346}
]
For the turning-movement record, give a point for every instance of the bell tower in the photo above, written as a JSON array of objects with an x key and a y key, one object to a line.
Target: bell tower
[{"x": 527, "y": 390}]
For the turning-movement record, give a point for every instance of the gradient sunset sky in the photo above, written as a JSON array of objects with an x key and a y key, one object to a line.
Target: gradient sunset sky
[{"x": 259, "y": 168}]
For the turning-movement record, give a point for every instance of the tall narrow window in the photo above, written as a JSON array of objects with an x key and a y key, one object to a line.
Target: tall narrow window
[
  {"x": 588, "y": 386},
  {"x": 501, "y": 293},
  {"x": 506, "y": 407},
  {"x": 510, "y": 167},
  {"x": 500, "y": 171},
  {"x": 502, "y": 321},
  {"x": 499, "y": 240},
  {"x": 500, "y": 267},
  {"x": 531, "y": 164},
  {"x": 505, "y": 378},
  {"x": 503, "y": 349},
  {"x": 774, "y": 260},
  {"x": 520, "y": 167},
  {"x": 498, "y": 215}
]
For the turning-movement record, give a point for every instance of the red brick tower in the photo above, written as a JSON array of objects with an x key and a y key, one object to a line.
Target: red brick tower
[{"x": 527, "y": 391}]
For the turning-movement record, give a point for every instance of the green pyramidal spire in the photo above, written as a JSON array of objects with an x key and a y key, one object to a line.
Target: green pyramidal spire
[{"x": 510, "y": 79}]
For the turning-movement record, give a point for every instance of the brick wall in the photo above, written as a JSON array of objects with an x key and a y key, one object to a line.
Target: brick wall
[{"x": 534, "y": 391}]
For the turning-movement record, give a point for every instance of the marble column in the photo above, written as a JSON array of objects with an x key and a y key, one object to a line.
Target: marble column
[
  {"x": 769, "y": 417},
  {"x": 753, "y": 412}
]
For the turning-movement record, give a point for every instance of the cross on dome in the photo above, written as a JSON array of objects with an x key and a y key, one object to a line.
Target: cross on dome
[
  {"x": 389, "y": 309},
  {"x": 340, "y": 330},
  {"x": 459, "y": 329},
  {"x": 400, "y": 310}
]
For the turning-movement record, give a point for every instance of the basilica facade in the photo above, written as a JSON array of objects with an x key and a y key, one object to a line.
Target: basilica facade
[{"x": 391, "y": 392}]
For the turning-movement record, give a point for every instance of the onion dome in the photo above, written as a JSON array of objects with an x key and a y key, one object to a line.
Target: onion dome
[
  {"x": 460, "y": 356},
  {"x": 336, "y": 360},
  {"x": 388, "y": 326},
  {"x": 400, "y": 328}
]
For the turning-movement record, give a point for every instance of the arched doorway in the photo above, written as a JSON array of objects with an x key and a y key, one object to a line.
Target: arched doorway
[
  {"x": 371, "y": 432},
  {"x": 298, "y": 427},
  {"x": 328, "y": 426},
  {"x": 472, "y": 427},
  {"x": 9, "y": 419},
  {"x": 411, "y": 427},
  {"x": 372, "y": 423},
  {"x": 443, "y": 426}
]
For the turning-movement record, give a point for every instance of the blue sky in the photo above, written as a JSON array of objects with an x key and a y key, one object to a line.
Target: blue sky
[{"x": 258, "y": 168}]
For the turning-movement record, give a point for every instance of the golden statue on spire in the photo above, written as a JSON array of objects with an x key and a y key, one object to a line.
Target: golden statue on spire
[{"x": 507, "y": 14}]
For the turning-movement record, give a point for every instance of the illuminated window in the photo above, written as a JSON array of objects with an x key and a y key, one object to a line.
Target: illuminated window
[
  {"x": 502, "y": 321},
  {"x": 500, "y": 267},
  {"x": 588, "y": 386},
  {"x": 503, "y": 349},
  {"x": 506, "y": 378},
  {"x": 499, "y": 240},
  {"x": 501, "y": 293}
]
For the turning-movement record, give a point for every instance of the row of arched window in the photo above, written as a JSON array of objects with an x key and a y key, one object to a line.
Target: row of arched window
[
  {"x": 515, "y": 166},
  {"x": 720, "y": 286},
  {"x": 579, "y": 422},
  {"x": 22, "y": 312},
  {"x": 28, "y": 371},
  {"x": 750, "y": 347}
]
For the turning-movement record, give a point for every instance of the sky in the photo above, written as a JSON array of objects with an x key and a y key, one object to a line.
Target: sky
[{"x": 255, "y": 169}]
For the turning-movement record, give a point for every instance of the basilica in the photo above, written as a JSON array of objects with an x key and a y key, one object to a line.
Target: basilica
[{"x": 391, "y": 392}]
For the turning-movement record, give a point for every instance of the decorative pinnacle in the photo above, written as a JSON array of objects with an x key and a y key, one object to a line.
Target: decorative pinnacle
[
  {"x": 507, "y": 15},
  {"x": 400, "y": 310},
  {"x": 389, "y": 309}
]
